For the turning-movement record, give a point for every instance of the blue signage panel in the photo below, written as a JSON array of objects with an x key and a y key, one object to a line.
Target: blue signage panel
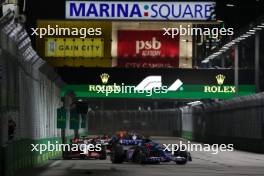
[{"x": 116, "y": 10}]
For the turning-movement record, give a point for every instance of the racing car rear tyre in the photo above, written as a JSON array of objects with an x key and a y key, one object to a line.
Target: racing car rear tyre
[
  {"x": 183, "y": 154},
  {"x": 66, "y": 156},
  {"x": 117, "y": 155}
]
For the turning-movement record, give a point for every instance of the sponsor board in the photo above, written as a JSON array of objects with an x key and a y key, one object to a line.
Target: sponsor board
[
  {"x": 147, "y": 48},
  {"x": 78, "y": 53},
  {"x": 148, "y": 10},
  {"x": 172, "y": 84},
  {"x": 74, "y": 47}
]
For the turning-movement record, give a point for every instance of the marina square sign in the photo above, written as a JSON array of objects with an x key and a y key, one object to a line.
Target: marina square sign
[{"x": 122, "y": 10}]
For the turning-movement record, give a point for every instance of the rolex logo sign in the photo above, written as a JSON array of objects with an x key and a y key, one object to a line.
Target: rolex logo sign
[
  {"x": 220, "y": 79},
  {"x": 104, "y": 77},
  {"x": 220, "y": 88}
]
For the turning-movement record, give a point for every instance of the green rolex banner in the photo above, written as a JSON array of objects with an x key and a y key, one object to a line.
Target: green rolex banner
[
  {"x": 74, "y": 119},
  {"x": 61, "y": 118},
  {"x": 83, "y": 124}
]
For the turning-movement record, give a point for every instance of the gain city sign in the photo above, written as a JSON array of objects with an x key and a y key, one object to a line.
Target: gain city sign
[
  {"x": 118, "y": 10},
  {"x": 216, "y": 84},
  {"x": 74, "y": 47}
]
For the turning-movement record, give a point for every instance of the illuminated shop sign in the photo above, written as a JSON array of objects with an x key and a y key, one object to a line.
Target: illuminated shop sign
[
  {"x": 147, "y": 48},
  {"x": 117, "y": 10},
  {"x": 162, "y": 86},
  {"x": 220, "y": 88},
  {"x": 74, "y": 47}
]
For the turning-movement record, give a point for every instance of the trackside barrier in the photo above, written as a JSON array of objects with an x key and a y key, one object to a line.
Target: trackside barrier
[
  {"x": 187, "y": 123},
  {"x": 18, "y": 154},
  {"x": 30, "y": 96},
  {"x": 239, "y": 121}
]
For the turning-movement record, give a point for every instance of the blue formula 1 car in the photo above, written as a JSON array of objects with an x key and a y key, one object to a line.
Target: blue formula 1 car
[
  {"x": 127, "y": 140},
  {"x": 147, "y": 152}
]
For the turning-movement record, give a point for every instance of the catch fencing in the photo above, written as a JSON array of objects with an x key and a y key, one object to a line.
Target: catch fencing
[{"x": 155, "y": 122}]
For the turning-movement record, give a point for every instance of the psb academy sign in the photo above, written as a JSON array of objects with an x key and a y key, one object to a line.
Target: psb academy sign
[
  {"x": 117, "y": 10},
  {"x": 74, "y": 47},
  {"x": 147, "y": 48}
]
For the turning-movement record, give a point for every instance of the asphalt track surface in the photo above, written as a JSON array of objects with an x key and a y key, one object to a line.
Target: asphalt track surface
[{"x": 203, "y": 164}]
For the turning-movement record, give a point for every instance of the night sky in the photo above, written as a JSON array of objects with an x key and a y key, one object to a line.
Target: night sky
[{"x": 240, "y": 15}]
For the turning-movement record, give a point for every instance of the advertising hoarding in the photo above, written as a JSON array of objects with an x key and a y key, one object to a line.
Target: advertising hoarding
[
  {"x": 61, "y": 118},
  {"x": 159, "y": 83},
  {"x": 70, "y": 55},
  {"x": 147, "y": 48},
  {"x": 139, "y": 10},
  {"x": 74, "y": 47},
  {"x": 74, "y": 119}
]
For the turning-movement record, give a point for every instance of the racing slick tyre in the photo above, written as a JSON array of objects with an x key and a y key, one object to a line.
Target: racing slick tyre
[
  {"x": 140, "y": 156},
  {"x": 66, "y": 155},
  {"x": 182, "y": 162},
  {"x": 103, "y": 154},
  {"x": 183, "y": 157},
  {"x": 117, "y": 155},
  {"x": 83, "y": 157},
  {"x": 189, "y": 156}
]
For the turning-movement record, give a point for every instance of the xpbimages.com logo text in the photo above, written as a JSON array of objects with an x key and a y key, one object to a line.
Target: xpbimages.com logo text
[
  {"x": 196, "y": 147},
  {"x": 65, "y": 31},
  {"x": 149, "y": 86},
  {"x": 50, "y": 147}
]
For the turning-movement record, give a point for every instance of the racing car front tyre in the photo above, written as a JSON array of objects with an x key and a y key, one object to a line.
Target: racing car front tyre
[
  {"x": 103, "y": 154},
  {"x": 142, "y": 158},
  {"x": 140, "y": 155},
  {"x": 181, "y": 162},
  {"x": 117, "y": 155}
]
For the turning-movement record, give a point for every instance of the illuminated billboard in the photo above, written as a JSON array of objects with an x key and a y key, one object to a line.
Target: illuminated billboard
[
  {"x": 75, "y": 43},
  {"x": 74, "y": 47},
  {"x": 160, "y": 83},
  {"x": 118, "y": 10},
  {"x": 147, "y": 48}
]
